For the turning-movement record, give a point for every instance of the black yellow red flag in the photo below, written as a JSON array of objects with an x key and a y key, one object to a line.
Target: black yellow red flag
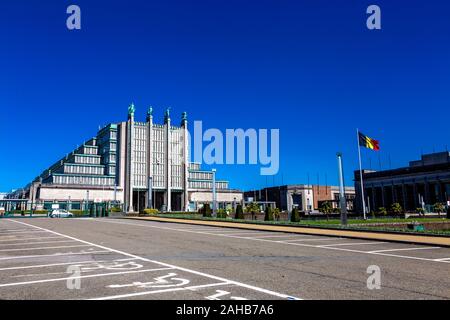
[{"x": 365, "y": 141}]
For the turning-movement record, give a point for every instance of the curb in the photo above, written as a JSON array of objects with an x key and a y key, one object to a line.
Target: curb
[{"x": 352, "y": 234}]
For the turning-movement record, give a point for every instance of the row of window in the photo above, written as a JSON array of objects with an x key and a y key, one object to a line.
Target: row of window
[
  {"x": 96, "y": 181},
  {"x": 201, "y": 175},
  {"x": 83, "y": 169},
  {"x": 89, "y": 150},
  {"x": 87, "y": 160},
  {"x": 207, "y": 185}
]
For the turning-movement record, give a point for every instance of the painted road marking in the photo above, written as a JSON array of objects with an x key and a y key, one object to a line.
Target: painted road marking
[
  {"x": 351, "y": 244},
  {"x": 240, "y": 284},
  {"x": 20, "y": 232},
  {"x": 63, "y": 264},
  {"x": 33, "y": 243},
  {"x": 81, "y": 277},
  {"x": 222, "y": 293},
  {"x": 22, "y": 239},
  {"x": 310, "y": 239},
  {"x": 149, "y": 225},
  {"x": 192, "y": 288},
  {"x": 44, "y": 248},
  {"x": 282, "y": 236},
  {"x": 442, "y": 260},
  {"x": 404, "y": 249},
  {"x": 53, "y": 255}
]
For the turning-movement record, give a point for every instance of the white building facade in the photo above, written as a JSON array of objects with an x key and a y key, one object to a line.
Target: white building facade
[{"x": 138, "y": 164}]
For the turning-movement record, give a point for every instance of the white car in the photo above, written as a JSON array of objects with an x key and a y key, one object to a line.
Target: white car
[{"x": 61, "y": 213}]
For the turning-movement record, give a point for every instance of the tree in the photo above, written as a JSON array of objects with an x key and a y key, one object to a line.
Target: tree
[
  {"x": 276, "y": 214},
  {"x": 382, "y": 211},
  {"x": 206, "y": 210},
  {"x": 438, "y": 207},
  {"x": 396, "y": 209},
  {"x": 295, "y": 216},
  {"x": 326, "y": 208},
  {"x": 268, "y": 214},
  {"x": 253, "y": 208},
  {"x": 239, "y": 212}
]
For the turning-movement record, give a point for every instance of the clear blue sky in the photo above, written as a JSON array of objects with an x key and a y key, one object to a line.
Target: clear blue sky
[{"x": 310, "y": 68}]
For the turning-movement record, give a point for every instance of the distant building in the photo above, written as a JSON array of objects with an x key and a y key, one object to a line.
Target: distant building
[
  {"x": 423, "y": 183},
  {"x": 305, "y": 197},
  {"x": 138, "y": 164},
  {"x": 3, "y": 195}
]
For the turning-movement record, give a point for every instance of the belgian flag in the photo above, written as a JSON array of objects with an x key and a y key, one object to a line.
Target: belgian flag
[{"x": 365, "y": 141}]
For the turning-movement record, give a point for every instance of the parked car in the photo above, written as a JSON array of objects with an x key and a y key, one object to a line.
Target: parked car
[{"x": 61, "y": 213}]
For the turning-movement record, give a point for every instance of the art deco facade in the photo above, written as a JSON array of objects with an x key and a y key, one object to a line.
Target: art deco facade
[{"x": 140, "y": 164}]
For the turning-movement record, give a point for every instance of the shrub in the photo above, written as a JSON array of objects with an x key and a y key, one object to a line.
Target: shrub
[
  {"x": 420, "y": 211},
  {"x": 396, "y": 209},
  {"x": 438, "y": 207},
  {"x": 40, "y": 212},
  {"x": 149, "y": 211},
  {"x": 268, "y": 214},
  {"x": 239, "y": 212},
  {"x": 295, "y": 216},
  {"x": 253, "y": 208},
  {"x": 222, "y": 214},
  {"x": 77, "y": 212},
  {"x": 382, "y": 211},
  {"x": 206, "y": 211},
  {"x": 448, "y": 212},
  {"x": 276, "y": 214}
]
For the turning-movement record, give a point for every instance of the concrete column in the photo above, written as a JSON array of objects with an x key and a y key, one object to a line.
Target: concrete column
[
  {"x": 383, "y": 200},
  {"x": 168, "y": 197},
  {"x": 404, "y": 195},
  {"x": 185, "y": 196},
  {"x": 130, "y": 166},
  {"x": 149, "y": 198}
]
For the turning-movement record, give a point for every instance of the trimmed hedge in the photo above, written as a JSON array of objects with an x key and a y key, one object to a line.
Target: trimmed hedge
[
  {"x": 268, "y": 214},
  {"x": 148, "y": 211},
  {"x": 295, "y": 216},
  {"x": 239, "y": 212},
  {"x": 206, "y": 211}
]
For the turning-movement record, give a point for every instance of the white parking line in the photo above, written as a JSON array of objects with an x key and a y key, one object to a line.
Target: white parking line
[
  {"x": 64, "y": 263},
  {"x": 33, "y": 243},
  {"x": 443, "y": 260},
  {"x": 240, "y": 233},
  {"x": 22, "y": 239},
  {"x": 44, "y": 248},
  {"x": 20, "y": 232},
  {"x": 52, "y": 255},
  {"x": 81, "y": 277},
  {"x": 240, "y": 284},
  {"x": 310, "y": 239},
  {"x": 192, "y": 288},
  {"x": 148, "y": 225},
  {"x": 350, "y": 244},
  {"x": 282, "y": 236},
  {"x": 404, "y": 249}
]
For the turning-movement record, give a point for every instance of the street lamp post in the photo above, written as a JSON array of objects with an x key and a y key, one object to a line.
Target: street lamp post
[
  {"x": 214, "y": 192},
  {"x": 342, "y": 200}
]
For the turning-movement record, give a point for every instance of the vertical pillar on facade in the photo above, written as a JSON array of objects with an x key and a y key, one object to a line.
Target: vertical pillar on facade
[
  {"x": 185, "y": 165},
  {"x": 427, "y": 199},
  {"x": 415, "y": 195},
  {"x": 130, "y": 159},
  {"x": 150, "y": 179},
  {"x": 404, "y": 194},
  {"x": 374, "y": 200},
  {"x": 394, "y": 193},
  {"x": 383, "y": 196},
  {"x": 168, "y": 197}
]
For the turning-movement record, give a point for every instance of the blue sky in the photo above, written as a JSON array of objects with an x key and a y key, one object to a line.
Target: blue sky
[{"x": 310, "y": 68}]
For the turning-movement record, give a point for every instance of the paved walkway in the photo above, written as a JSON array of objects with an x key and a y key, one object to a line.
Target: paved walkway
[{"x": 394, "y": 237}]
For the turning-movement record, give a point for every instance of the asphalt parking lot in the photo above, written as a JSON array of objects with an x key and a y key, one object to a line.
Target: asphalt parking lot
[{"x": 110, "y": 259}]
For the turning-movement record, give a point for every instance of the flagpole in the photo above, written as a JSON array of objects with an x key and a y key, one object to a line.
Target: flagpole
[{"x": 361, "y": 176}]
